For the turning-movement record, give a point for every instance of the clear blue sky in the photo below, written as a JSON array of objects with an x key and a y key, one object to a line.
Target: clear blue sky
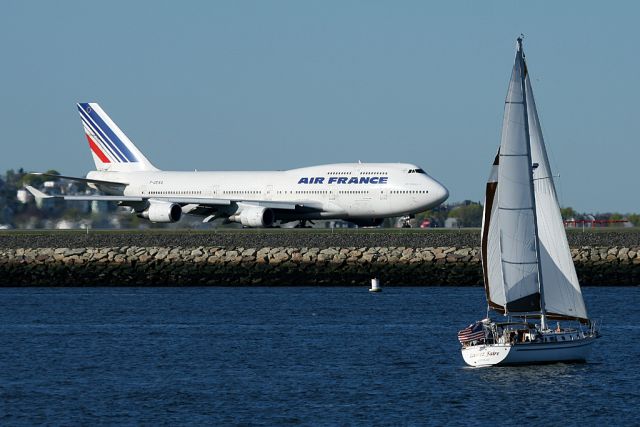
[{"x": 280, "y": 84}]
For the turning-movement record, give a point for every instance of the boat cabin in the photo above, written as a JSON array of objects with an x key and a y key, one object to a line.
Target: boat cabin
[{"x": 524, "y": 332}]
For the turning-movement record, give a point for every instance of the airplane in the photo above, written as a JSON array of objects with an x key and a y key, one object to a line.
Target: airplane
[{"x": 361, "y": 193}]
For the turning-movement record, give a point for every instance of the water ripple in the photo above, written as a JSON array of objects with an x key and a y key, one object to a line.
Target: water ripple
[{"x": 293, "y": 356}]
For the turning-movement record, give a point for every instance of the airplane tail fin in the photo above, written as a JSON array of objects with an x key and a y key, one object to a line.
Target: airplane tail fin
[{"x": 112, "y": 150}]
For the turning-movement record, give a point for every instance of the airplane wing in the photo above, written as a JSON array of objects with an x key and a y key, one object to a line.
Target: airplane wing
[
  {"x": 199, "y": 201},
  {"x": 40, "y": 195},
  {"x": 85, "y": 180},
  {"x": 293, "y": 205}
]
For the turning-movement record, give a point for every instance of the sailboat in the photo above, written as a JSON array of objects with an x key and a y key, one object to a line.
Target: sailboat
[{"x": 529, "y": 277}]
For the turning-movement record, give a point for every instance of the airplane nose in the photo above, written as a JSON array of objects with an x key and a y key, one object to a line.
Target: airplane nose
[{"x": 438, "y": 193}]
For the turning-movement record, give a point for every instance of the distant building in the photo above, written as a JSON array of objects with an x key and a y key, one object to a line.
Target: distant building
[
  {"x": 451, "y": 223},
  {"x": 23, "y": 196},
  {"x": 66, "y": 224}
]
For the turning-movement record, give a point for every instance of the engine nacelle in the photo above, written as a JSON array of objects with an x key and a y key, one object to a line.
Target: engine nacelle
[
  {"x": 162, "y": 212},
  {"x": 254, "y": 216}
]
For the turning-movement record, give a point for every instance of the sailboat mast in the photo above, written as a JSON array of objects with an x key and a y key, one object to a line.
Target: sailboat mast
[{"x": 523, "y": 68}]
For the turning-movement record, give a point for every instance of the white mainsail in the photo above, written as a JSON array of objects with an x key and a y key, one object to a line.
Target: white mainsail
[
  {"x": 526, "y": 259},
  {"x": 516, "y": 212}
]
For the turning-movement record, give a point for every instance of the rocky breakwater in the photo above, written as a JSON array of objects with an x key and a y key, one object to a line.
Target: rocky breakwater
[
  {"x": 153, "y": 266},
  {"x": 602, "y": 265},
  {"x": 269, "y": 266}
]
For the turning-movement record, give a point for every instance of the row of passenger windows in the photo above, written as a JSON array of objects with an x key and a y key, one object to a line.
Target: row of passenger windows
[
  {"x": 364, "y": 173},
  {"x": 195, "y": 192},
  {"x": 340, "y": 192},
  {"x": 409, "y": 192},
  {"x": 179, "y": 192},
  {"x": 242, "y": 192}
]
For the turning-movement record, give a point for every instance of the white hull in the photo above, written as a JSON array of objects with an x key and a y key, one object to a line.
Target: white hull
[{"x": 527, "y": 353}]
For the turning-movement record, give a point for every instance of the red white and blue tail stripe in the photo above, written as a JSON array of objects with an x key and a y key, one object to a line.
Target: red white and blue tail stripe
[{"x": 111, "y": 148}]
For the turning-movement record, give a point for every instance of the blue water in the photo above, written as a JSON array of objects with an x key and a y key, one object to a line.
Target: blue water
[{"x": 289, "y": 356}]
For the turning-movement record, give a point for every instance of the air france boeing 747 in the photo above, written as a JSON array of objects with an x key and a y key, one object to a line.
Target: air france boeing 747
[{"x": 362, "y": 193}]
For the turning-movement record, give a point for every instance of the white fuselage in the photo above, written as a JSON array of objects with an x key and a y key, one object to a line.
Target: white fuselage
[{"x": 345, "y": 191}]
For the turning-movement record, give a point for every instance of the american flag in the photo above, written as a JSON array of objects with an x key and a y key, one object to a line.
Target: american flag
[{"x": 473, "y": 332}]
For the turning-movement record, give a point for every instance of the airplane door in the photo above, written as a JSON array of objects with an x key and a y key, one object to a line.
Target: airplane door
[
  {"x": 332, "y": 194},
  {"x": 268, "y": 192},
  {"x": 216, "y": 191},
  {"x": 383, "y": 194},
  {"x": 143, "y": 190}
]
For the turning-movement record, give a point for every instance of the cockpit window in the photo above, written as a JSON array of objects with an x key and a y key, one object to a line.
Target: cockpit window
[{"x": 417, "y": 171}]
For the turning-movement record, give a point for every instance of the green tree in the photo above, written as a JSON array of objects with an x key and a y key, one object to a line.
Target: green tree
[
  {"x": 38, "y": 180},
  {"x": 615, "y": 216},
  {"x": 468, "y": 216},
  {"x": 13, "y": 179},
  {"x": 567, "y": 213},
  {"x": 635, "y": 219}
]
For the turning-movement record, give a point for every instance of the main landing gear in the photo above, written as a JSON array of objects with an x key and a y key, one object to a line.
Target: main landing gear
[{"x": 303, "y": 224}]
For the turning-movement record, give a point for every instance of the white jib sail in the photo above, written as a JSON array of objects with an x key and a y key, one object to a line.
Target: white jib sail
[
  {"x": 515, "y": 202},
  {"x": 562, "y": 295}
]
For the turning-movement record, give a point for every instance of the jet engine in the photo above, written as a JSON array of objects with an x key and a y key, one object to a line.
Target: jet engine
[
  {"x": 254, "y": 216},
  {"x": 162, "y": 212}
]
